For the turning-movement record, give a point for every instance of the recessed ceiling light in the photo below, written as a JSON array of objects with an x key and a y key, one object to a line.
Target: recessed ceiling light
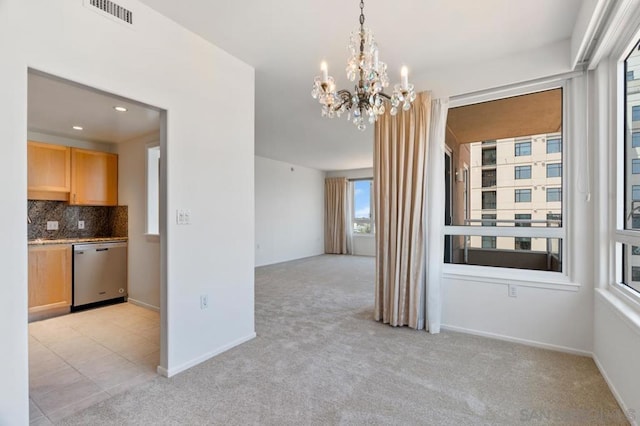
[
  {"x": 120, "y": 108},
  {"x": 77, "y": 127}
]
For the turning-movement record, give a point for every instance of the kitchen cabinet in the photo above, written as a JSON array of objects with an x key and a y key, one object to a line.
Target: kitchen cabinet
[
  {"x": 48, "y": 171},
  {"x": 94, "y": 178},
  {"x": 50, "y": 277}
]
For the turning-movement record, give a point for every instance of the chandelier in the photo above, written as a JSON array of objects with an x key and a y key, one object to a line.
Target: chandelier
[{"x": 368, "y": 100}]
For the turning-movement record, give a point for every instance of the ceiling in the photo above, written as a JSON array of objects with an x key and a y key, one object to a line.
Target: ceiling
[
  {"x": 56, "y": 105},
  {"x": 286, "y": 41}
]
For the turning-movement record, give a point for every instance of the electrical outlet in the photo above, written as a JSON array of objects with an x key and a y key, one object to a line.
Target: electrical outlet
[
  {"x": 52, "y": 225},
  {"x": 204, "y": 301},
  {"x": 81, "y": 224},
  {"x": 513, "y": 290}
]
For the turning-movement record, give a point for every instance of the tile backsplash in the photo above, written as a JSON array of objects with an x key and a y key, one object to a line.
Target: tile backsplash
[{"x": 98, "y": 221}]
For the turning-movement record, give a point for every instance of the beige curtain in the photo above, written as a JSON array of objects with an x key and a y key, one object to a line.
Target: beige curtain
[
  {"x": 400, "y": 156},
  {"x": 335, "y": 215}
]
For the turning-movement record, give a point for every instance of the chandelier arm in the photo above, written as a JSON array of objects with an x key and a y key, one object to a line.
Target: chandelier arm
[{"x": 384, "y": 95}]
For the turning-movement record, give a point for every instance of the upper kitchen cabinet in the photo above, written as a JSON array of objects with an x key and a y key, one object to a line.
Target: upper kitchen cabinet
[
  {"x": 94, "y": 178},
  {"x": 48, "y": 171}
]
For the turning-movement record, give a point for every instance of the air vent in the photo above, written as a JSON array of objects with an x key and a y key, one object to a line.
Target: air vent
[{"x": 113, "y": 9}]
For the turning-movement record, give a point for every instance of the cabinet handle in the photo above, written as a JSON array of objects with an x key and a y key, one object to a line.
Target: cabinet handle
[{"x": 74, "y": 198}]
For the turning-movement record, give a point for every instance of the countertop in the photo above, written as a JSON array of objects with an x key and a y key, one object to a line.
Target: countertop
[{"x": 40, "y": 242}]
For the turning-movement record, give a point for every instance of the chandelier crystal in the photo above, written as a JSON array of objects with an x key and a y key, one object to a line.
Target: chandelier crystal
[{"x": 365, "y": 68}]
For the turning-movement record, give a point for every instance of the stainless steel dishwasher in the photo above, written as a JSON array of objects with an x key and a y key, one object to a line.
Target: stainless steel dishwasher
[{"x": 99, "y": 272}]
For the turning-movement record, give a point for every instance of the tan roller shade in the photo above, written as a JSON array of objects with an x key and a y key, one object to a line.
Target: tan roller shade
[{"x": 525, "y": 115}]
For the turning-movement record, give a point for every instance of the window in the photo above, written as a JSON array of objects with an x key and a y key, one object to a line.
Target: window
[
  {"x": 489, "y": 199},
  {"x": 488, "y": 178},
  {"x": 489, "y": 220},
  {"x": 635, "y": 192},
  {"x": 635, "y": 113},
  {"x": 554, "y": 145},
  {"x": 522, "y": 243},
  {"x": 489, "y": 157},
  {"x": 554, "y": 170},
  {"x": 635, "y": 166},
  {"x": 523, "y": 148},
  {"x": 504, "y": 201},
  {"x": 635, "y": 139},
  {"x": 523, "y": 219},
  {"x": 488, "y": 242},
  {"x": 523, "y": 195},
  {"x": 523, "y": 172},
  {"x": 153, "y": 190},
  {"x": 554, "y": 219},
  {"x": 630, "y": 76},
  {"x": 554, "y": 194},
  {"x": 635, "y": 273},
  {"x": 635, "y": 250},
  {"x": 362, "y": 206}
]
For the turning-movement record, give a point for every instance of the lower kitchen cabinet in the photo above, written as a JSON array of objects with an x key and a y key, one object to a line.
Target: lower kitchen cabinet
[{"x": 49, "y": 277}]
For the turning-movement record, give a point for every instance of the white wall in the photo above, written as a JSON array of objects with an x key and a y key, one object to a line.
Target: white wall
[
  {"x": 209, "y": 169},
  {"x": 289, "y": 211},
  {"x": 363, "y": 245},
  {"x": 143, "y": 250}
]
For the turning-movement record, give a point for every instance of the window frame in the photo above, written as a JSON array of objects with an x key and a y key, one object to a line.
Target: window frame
[
  {"x": 518, "y": 192},
  {"x": 517, "y": 147},
  {"x": 541, "y": 279},
  {"x": 517, "y": 172}
]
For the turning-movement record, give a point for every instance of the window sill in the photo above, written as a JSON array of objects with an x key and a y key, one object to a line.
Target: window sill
[
  {"x": 506, "y": 276},
  {"x": 623, "y": 306},
  {"x": 364, "y": 235}
]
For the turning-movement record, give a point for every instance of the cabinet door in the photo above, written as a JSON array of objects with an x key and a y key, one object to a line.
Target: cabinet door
[
  {"x": 49, "y": 277},
  {"x": 48, "y": 171},
  {"x": 94, "y": 178}
]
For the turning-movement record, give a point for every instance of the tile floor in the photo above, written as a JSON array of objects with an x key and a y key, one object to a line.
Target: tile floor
[{"x": 80, "y": 359}]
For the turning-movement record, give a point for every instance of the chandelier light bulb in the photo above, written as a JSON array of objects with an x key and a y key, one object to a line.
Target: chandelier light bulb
[{"x": 369, "y": 74}]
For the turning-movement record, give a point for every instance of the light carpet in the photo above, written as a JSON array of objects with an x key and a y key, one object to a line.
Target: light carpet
[{"x": 320, "y": 359}]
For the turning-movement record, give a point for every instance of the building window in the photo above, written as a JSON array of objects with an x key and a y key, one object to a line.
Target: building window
[
  {"x": 635, "y": 250},
  {"x": 362, "y": 206},
  {"x": 554, "y": 170},
  {"x": 488, "y": 242},
  {"x": 523, "y": 219},
  {"x": 522, "y": 148},
  {"x": 635, "y": 166},
  {"x": 635, "y": 113},
  {"x": 635, "y": 139},
  {"x": 488, "y": 220},
  {"x": 489, "y": 200},
  {"x": 489, "y": 157},
  {"x": 635, "y": 192},
  {"x": 522, "y": 243},
  {"x": 488, "y": 178},
  {"x": 523, "y": 195},
  {"x": 153, "y": 190},
  {"x": 635, "y": 273},
  {"x": 554, "y": 219},
  {"x": 554, "y": 194},
  {"x": 630, "y": 76},
  {"x": 522, "y": 172},
  {"x": 554, "y": 145}
]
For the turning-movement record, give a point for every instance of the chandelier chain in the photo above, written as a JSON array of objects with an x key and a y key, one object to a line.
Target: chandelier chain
[{"x": 361, "y": 15}]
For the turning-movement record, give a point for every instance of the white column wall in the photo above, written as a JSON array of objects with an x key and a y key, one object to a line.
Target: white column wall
[{"x": 209, "y": 169}]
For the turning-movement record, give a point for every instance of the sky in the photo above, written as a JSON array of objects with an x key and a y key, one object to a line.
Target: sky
[{"x": 362, "y": 195}]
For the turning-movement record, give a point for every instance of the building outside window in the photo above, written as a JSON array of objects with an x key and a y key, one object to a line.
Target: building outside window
[
  {"x": 488, "y": 242},
  {"x": 523, "y": 219},
  {"x": 362, "y": 206},
  {"x": 522, "y": 148},
  {"x": 488, "y": 178},
  {"x": 554, "y": 145},
  {"x": 489, "y": 199},
  {"x": 523, "y": 195},
  {"x": 635, "y": 166},
  {"x": 635, "y": 139},
  {"x": 489, "y": 219},
  {"x": 554, "y": 219},
  {"x": 522, "y": 172},
  {"x": 522, "y": 243},
  {"x": 630, "y": 75},
  {"x": 635, "y": 192},
  {"x": 554, "y": 194},
  {"x": 489, "y": 157},
  {"x": 554, "y": 170},
  {"x": 635, "y": 113}
]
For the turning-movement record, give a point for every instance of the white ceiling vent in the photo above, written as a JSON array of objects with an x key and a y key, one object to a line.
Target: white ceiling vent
[{"x": 111, "y": 9}]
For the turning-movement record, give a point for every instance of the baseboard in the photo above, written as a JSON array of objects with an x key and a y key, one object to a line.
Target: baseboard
[
  {"x": 179, "y": 369},
  {"x": 527, "y": 342},
  {"x": 143, "y": 305},
  {"x": 630, "y": 414}
]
